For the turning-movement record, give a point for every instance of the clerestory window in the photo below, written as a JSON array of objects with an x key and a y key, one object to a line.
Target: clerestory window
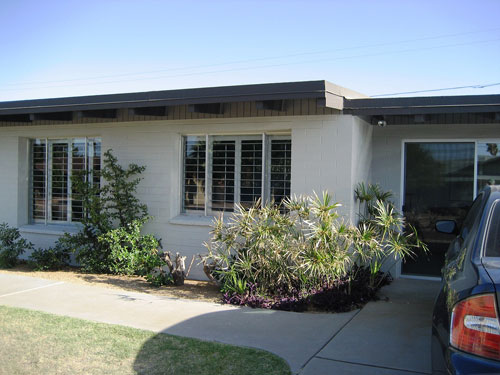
[
  {"x": 221, "y": 171},
  {"x": 53, "y": 162}
]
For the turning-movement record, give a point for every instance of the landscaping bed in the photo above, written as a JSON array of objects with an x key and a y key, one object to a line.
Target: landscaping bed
[
  {"x": 192, "y": 289},
  {"x": 299, "y": 255},
  {"x": 340, "y": 296}
]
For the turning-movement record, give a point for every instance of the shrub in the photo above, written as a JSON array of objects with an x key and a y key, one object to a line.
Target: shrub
[
  {"x": 130, "y": 252},
  {"x": 300, "y": 248},
  {"x": 11, "y": 245},
  {"x": 118, "y": 193},
  {"x": 383, "y": 235},
  {"x": 105, "y": 206},
  {"x": 110, "y": 241},
  {"x": 159, "y": 278},
  {"x": 292, "y": 256},
  {"x": 53, "y": 258}
]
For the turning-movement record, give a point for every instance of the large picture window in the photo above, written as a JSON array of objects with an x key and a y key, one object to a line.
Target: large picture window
[
  {"x": 221, "y": 171},
  {"x": 53, "y": 162}
]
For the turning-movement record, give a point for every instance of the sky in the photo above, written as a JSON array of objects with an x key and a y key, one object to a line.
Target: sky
[{"x": 73, "y": 48}]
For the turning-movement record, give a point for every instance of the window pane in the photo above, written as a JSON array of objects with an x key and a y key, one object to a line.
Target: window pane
[
  {"x": 66, "y": 157},
  {"x": 281, "y": 169},
  {"x": 488, "y": 164},
  {"x": 223, "y": 169},
  {"x": 493, "y": 239},
  {"x": 59, "y": 179},
  {"x": 194, "y": 173},
  {"x": 94, "y": 157},
  {"x": 39, "y": 149},
  {"x": 439, "y": 185},
  {"x": 251, "y": 172},
  {"x": 77, "y": 167}
]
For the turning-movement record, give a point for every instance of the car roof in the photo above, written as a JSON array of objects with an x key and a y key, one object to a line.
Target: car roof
[{"x": 493, "y": 191}]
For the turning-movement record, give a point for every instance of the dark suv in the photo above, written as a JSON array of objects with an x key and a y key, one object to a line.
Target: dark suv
[{"x": 465, "y": 322}]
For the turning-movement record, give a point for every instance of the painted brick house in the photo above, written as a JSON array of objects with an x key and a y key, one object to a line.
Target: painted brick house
[{"x": 209, "y": 148}]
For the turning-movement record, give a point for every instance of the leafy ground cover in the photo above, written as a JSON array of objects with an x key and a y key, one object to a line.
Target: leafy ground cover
[
  {"x": 344, "y": 294},
  {"x": 38, "y": 343}
]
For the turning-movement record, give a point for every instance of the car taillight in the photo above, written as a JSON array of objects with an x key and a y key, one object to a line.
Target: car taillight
[{"x": 475, "y": 327}]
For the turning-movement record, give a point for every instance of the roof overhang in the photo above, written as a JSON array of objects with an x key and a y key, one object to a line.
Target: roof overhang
[
  {"x": 422, "y": 105},
  {"x": 326, "y": 94}
]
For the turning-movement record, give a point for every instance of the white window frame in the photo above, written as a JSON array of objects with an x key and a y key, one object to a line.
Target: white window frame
[
  {"x": 238, "y": 138},
  {"x": 48, "y": 176}
]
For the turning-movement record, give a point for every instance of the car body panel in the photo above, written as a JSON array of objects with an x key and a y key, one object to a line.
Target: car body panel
[{"x": 466, "y": 273}]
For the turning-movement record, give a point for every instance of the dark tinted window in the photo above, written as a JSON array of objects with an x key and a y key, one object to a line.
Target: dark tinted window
[
  {"x": 471, "y": 217},
  {"x": 493, "y": 234}
]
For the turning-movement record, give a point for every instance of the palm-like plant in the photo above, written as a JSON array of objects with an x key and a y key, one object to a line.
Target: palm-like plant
[
  {"x": 382, "y": 234},
  {"x": 305, "y": 244}
]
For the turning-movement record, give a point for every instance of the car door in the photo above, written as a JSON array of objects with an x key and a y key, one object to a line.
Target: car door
[
  {"x": 455, "y": 272},
  {"x": 491, "y": 252}
]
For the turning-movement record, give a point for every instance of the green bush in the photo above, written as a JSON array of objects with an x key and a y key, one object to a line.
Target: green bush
[
  {"x": 130, "y": 252},
  {"x": 159, "y": 278},
  {"x": 383, "y": 234},
  {"x": 301, "y": 247},
  {"x": 53, "y": 258},
  {"x": 11, "y": 246},
  {"x": 304, "y": 247},
  {"x": 110, "y": 240},
  {"x": 106, "y": 208}
]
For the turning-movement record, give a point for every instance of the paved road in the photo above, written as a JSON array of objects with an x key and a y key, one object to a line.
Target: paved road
[{"x": 388, "y": 337}]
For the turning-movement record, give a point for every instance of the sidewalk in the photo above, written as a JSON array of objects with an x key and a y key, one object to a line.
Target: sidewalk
[{"x": 383, "y": 338}]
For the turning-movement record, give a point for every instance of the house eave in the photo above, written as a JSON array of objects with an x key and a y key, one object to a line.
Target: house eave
[
  {"x": 422, "y": 105},
  {"x": 327, "y": 94}
]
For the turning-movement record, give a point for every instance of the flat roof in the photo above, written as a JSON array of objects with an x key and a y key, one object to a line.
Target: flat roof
[
  {"x": 327, "y": 94},
  {"x": 331, "y": 95},
  {"x": 422, "y": 105}
]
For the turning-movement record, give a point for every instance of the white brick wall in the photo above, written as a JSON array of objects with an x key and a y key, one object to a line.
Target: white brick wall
[{"x": 324, "y": 149}]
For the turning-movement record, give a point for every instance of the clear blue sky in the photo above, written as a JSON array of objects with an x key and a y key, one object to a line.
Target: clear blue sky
[{"x": 70, "y": 48}]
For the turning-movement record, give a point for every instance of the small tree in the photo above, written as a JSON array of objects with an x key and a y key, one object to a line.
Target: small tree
[
  {"x": 118, "y": 193},
  {"x": 112, "y": 212}
]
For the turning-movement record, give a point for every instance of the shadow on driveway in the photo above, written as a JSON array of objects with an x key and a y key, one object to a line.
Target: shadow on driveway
[{"x": 387, "y": 337}]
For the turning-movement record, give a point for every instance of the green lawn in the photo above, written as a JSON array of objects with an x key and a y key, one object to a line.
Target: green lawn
[{"x": 33, "y": 342}]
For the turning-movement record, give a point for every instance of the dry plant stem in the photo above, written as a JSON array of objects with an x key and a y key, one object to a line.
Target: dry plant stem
[
  {"x": 190, "y": 265},
  {"x": 178, "y": 270},
  {"x": 208, "y": 270}
]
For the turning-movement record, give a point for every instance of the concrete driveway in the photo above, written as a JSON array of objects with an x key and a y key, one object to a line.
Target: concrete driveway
[{"x": 391, "y": 336}]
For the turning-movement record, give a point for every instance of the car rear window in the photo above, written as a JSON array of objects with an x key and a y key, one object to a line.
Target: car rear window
[{"x": 493, "y": 233}]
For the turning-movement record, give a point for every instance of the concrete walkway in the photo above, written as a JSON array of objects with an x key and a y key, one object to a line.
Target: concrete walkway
[{"x": 386, "y": 337}]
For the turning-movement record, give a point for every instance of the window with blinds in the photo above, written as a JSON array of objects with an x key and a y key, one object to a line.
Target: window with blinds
[
  {"x": 281, "y": 169},
  {"x": 223, "y": 175},
  {"x": 251, "y": 172},
  {"x": 194, "y": 173},
  {"x": 222, "y": 171},
  {"x": 53, "y": 198}
]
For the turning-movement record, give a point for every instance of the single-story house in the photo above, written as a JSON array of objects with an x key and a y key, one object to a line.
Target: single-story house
[{"x": 206, "y": 149}]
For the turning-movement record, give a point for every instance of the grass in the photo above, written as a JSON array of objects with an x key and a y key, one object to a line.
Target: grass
[{"x": 33, "y": 342}]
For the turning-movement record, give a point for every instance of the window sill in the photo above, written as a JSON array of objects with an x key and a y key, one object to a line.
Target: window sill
[
  {"x": 53, "y": 229},
  {"x": 195, "y": 220}
]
